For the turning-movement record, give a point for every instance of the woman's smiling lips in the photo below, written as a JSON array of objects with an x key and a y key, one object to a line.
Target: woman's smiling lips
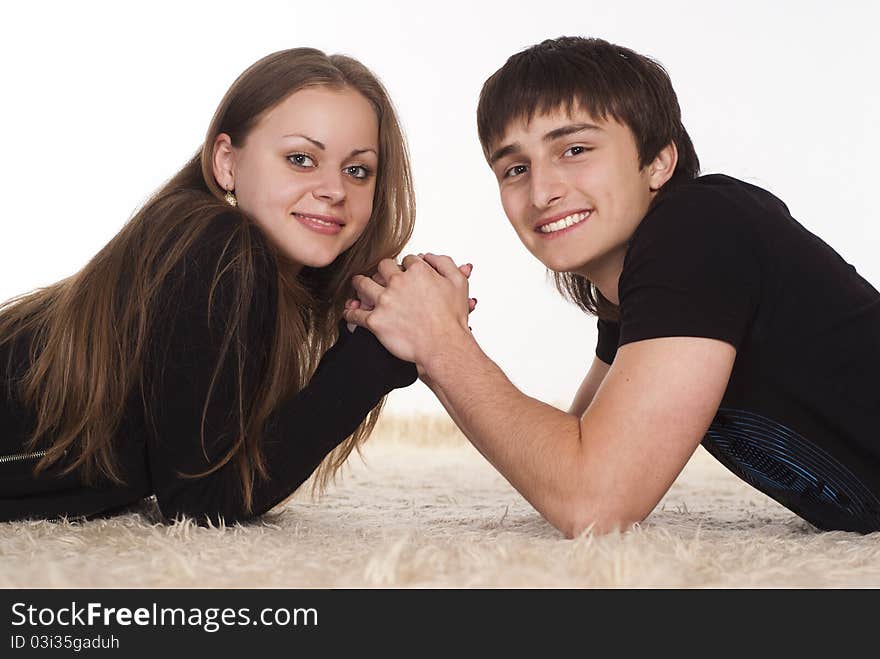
[
  {"x": 326, "y": 224},
  {"x": 551, "y": 227}
]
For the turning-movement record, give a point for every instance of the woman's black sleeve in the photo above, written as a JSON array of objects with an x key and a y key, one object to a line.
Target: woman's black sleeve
[{"x": 350, "y": 381}]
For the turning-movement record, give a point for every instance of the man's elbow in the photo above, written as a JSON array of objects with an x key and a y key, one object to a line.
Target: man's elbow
[{"x": 598, "y": 519}]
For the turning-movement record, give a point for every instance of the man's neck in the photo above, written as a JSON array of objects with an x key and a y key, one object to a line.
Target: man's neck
[{"x": 605, "y": 273}]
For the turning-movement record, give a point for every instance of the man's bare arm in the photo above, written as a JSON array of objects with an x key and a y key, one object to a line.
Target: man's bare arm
[
  {"x": 607, "y": 468},
  {"x": 589, "y": 387}
]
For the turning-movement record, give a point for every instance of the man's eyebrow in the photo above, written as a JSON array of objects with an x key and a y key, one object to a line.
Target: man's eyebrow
[
  {"x": 320, "y": 145},
  {"x": 570, "y": 129},
  {"x": 554, "y": 134},
  {"x": 506, "y": 150}
]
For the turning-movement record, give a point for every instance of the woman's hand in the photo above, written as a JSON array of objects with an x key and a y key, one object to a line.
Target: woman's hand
[
  {"x": 368, "y": 305},
  {"x": 419, "y": 307}
]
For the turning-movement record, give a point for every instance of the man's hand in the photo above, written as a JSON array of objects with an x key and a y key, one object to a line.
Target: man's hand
[{"x": 419, "y": 307}]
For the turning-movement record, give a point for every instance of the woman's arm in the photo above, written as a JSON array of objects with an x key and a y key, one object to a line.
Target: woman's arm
[{"x": 350, "y": 381}]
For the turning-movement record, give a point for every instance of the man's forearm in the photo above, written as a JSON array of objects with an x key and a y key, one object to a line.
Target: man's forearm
[{"x": 535, "y": 446}]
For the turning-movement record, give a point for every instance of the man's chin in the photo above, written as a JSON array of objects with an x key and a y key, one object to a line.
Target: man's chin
[{"x": 561, "y": 265}]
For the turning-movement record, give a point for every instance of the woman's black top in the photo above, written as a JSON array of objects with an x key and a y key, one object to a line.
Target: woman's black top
[
  {"x": 800, "y": 419},
  {"x": 184, "y": 348}
]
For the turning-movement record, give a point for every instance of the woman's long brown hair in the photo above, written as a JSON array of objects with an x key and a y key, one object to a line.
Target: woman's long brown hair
[{"x": 88, "y": 334}]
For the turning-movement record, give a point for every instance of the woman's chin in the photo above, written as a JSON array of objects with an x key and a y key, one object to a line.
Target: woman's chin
[{"x": 300, "y": 261}]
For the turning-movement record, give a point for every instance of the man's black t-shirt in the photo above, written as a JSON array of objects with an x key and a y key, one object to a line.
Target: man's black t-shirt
[{"x": 800, "y": 419}]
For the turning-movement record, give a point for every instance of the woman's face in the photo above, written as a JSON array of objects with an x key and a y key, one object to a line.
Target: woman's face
[{"x": 306, "y": 173}]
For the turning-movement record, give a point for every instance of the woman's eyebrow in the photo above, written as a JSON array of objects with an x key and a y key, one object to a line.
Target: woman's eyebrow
[
  {"x": 320, "y": 145},
  {"x": 357, "y": 152}
]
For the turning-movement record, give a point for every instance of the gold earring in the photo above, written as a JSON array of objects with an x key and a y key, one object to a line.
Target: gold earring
[{"x": 230, "y": 198}]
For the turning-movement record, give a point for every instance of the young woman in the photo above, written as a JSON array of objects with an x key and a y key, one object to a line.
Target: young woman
[
  {"x": 199, "y": 356},
  {"x": 722, "y": 320}
]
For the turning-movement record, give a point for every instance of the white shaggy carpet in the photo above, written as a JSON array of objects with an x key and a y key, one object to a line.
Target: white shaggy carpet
[{"x": 426, "y": 510}]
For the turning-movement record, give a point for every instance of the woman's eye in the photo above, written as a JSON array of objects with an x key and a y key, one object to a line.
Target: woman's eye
[
  {"x": 301, "y": 160},
  {"x": 358, "y": 171},
  {"x": 516, "y": 170}
]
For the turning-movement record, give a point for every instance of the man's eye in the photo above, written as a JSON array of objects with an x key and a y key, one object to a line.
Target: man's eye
[
  {"x": 575, "y": 150},
  {"x": 301, "y": 160},
  {"x": 516, "y": 170}
]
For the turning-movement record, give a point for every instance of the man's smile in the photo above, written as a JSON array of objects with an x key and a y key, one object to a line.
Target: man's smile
[{"x": 562, "y": 221}]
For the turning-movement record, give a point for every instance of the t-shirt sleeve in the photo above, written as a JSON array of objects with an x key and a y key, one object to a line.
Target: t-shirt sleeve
[
  {"x": 609, "y": 335},
  {"x": 350, "y": 381},
  {"x": 691, "y": 270}
]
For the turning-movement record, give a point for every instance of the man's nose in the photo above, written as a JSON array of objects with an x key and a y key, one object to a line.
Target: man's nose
[{"x": 547, "y": 186}]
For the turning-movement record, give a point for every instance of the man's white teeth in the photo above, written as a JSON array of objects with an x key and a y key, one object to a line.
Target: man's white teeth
[{"x": 564, "y": 223}]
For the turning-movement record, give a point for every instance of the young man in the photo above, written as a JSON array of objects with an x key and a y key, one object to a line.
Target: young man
[{"x": 722, "y": 321}]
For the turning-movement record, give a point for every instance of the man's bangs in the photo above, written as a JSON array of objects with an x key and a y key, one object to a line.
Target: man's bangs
[{"x": 519, "y": 96}]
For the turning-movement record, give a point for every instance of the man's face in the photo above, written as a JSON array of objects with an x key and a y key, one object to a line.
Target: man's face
[{"x": 572, "y": 188}]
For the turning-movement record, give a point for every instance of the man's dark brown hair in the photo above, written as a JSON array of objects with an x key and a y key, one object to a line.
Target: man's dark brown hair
[{"x": 606, "y": 80}]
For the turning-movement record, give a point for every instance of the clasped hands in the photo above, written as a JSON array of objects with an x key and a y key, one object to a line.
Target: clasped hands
[{"x": 415, "y": 309}]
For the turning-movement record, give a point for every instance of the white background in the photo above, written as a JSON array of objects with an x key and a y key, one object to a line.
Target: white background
[{"x": 102, "y": 102}]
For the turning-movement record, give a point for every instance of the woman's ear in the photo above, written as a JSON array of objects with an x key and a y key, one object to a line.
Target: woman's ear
[
  {"x": 662, "y": 167},
  {"x": 223, "y": 162}
]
